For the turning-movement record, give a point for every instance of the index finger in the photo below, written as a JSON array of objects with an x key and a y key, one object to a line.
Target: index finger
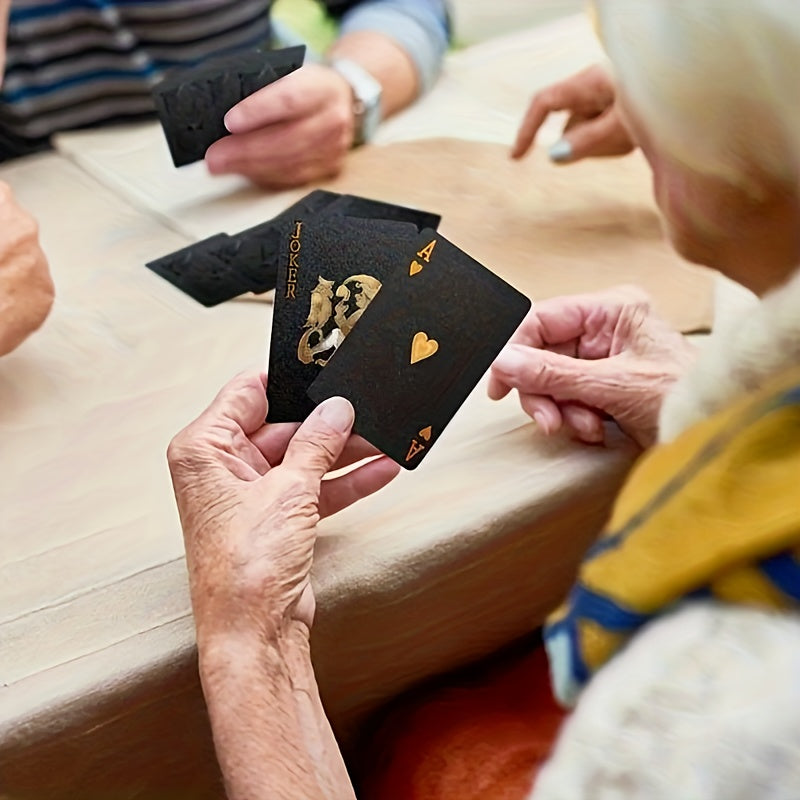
[
  {"x": 291, "y": 97},
  {"x": 542, "y": 105},
  {"x": 558, "y": 323},
  {"x": 553, "y": 322}
]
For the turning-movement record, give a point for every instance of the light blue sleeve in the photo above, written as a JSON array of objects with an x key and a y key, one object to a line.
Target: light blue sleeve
[{"x": 420, "y": 27}]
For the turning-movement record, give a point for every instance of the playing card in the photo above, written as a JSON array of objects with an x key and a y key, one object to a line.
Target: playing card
[
  {"x": 330, "y": 269},
  {"x": 351, "y": 205},
  {"x": 426, "y": 340},
  {"x": 222, "y": 267},
  {"x": 191, "y": 103}
]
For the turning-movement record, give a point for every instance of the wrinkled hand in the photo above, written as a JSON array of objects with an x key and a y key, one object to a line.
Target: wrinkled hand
[
  {"x": 250, "y": 495},
  {"x": 594, "y": 126},
  {"x": 26, "y": 289},
  {"x": 576, "y": 360},
  {"x": 294, "y": 131}
]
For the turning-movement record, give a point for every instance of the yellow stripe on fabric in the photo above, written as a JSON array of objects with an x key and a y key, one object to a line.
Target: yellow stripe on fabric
[
  {"x": 596, "y": 643},
  {"x": 559, "y": 614},
  {"x": 748, "y": 585},
  {"x": 740, "y": 506}
]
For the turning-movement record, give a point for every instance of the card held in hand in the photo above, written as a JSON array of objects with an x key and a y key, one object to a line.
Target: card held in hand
[
  {"x": 191, "y": 102},
  {"x": 330, "y": 268},
  {"x": 422, "y": 346}
]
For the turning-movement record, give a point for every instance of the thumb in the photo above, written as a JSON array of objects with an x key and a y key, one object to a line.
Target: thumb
[
  {"x": 320, "y": 440},
  {"x": 594, "y": 383},
  {"x": 601, "y": 136}
]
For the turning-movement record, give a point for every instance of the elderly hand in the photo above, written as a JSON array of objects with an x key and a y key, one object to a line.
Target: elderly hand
[
  {"x": 250, "y": 495},
  {"x": 594, "y": 126},
  {"x": 294, "y": 131},
  {"x": 26, "y": 289},
  {"x": 575, "y": 360}
]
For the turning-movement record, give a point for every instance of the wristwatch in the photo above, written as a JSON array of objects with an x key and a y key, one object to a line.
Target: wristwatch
[{"x": 366, "y": 98}]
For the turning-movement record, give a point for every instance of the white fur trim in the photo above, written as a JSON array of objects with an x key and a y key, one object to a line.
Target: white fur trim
[
  {"x": 702, "y": 706},
  {"x": 741, "y": 354}
]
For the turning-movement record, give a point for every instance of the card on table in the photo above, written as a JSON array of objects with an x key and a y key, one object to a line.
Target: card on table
[
  {"x": 422, "y": 346},
  {"x": 329, "y": 271},
  {"x": 222, "y": 267},
  {"x": 191, "y": 103},
  {"x": 351, "y": 205}
]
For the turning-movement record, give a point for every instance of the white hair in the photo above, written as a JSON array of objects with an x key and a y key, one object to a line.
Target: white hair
[{"x": 715, "y": 82}]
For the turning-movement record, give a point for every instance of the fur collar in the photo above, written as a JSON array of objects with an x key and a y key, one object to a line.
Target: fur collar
[{"x": 746, "y": 348}]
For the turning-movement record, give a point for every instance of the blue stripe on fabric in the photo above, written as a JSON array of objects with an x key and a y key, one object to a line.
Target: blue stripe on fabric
[
  {"x": 790, "y": 397},
  {"x": 54, "y": 9},
  {"x": 784, "y": 571},
  {"x": 604, "y": 611},
  {"x": 23, "y": 93}
]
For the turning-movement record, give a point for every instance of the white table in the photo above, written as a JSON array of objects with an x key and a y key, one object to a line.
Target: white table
[{"x": 98, "y": 686}]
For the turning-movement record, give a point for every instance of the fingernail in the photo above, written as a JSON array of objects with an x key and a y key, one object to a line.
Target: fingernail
[
  {"x": 540, "y": 420},
  {"x": 561, "y": 151},
  {"x": 337, "y": 412},
  {"x": 230, "y": 119},
  {"x": 510, "y": 361}
]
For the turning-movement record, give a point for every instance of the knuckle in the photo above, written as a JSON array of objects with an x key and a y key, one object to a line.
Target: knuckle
[
  {"x": 321, "y": 447},
  {"x": 289, "y": 103},
  {"x": 177, "y": 449},
  {"x": 184, "y": 450}
]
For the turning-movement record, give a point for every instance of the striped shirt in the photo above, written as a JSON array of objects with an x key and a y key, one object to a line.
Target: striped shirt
[{"x": 75, "y": 63}]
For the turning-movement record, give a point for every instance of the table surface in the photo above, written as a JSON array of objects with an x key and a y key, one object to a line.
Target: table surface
[{"x": 96, "y": 637}]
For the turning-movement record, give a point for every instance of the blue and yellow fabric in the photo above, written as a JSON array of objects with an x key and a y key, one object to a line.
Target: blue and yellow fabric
[{"x": 714, "y": 514}]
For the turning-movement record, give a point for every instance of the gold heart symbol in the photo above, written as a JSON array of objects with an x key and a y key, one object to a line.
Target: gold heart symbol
[
  {"x": 422, "y": 347},
  {"x": 415, "y": 268},
  {"x": 426, "y": 433}
]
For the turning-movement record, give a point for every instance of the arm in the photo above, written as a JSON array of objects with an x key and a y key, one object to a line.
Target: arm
[
  {"x": 250, "y": 495},
  {"x": 301, "y": 128},
  {"x": 26, "y": 288},
  {"x": 271, "y": 734},
  {"x": 401, "y": 43}
]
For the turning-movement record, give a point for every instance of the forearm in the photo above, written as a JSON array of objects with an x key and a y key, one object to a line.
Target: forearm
[
  {"x": 272, "y": 737},
  {"x": 401, "y": 43},
  {"x": 386, "y": 62}
]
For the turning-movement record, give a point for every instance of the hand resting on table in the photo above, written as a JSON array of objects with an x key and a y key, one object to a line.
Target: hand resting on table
[{"x": 594, "y": 126}]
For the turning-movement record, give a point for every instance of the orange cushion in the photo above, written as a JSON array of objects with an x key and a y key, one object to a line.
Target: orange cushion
[{"x": 482, "y": 741}]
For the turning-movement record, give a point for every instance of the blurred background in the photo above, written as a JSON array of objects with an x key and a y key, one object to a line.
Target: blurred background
[{"x": 475, "y": 20}]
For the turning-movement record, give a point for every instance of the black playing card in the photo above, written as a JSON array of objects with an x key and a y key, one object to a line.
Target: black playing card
[
  {"x": 202, "y": 271},
  {"x": 354, "y": 206},
  {"x": 222, "y": 267},
  {"x": 191, "y": 103},
  {"x": 421, "y": 347},
  {"x": 330, "y": 269}
]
